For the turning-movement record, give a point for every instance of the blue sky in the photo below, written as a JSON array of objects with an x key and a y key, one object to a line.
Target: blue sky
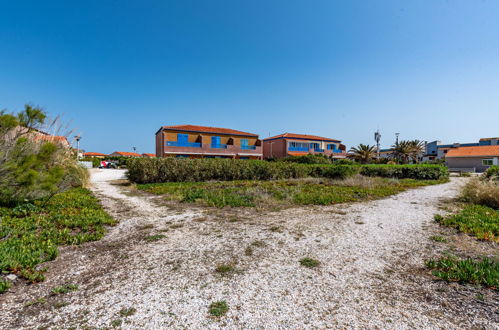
[{"x": 118, "y": 70}]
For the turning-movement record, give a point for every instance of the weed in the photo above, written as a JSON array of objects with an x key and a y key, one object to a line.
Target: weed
[
  {"x": 480, "y": 296},
  {"x": 224, "y": 269},
  {"x": 4, "y": 285},
  {"x": 482, "y": 192},
  {"x": 218, "y": 308},
  {"x": 39, "y": 301},
  {"x": 276, "y": 229},
  {"x": 154, "y": 238},
  {"x": 116, "y": 323},
  {"x": 451, "y": 269},
  {"x": 60, "y": 304},
  {"x": 309, "y": 262},
  {"x": 438, "y": 238},
  {"x": 258, "y": 243},
  {"x": 127, "y": 311},
  {"x": 64, "y": 289},
  {"x": 176, "y": 225},
  {"x": 248, "y": 251}
]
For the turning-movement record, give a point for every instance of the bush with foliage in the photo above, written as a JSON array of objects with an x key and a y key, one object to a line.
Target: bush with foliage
[
  {"x": 154, "y": 170},
  {"x": 30, "y": 168},
  {"x": 420, "y": 172},
  {"x": 483, "y": 192},
  {"x": 492, "y": 173},
  {"x": 307, "y": 159}
]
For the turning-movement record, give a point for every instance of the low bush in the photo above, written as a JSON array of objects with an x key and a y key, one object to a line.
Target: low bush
[
  {"x": 4, "y": 285},
  {"x": 218, "y": 308},
  {"x": 155, "y": 170},
  {"x": 307, "y": 159},
  {"x": 420, "y": 172},
  {"x": 492, "y": 173},
  {"x": 451, "y": 269},
  {"x": 483, "y": 192},
  {"x": 31, "y": 233},
  {"x": 478, "y": 220}
]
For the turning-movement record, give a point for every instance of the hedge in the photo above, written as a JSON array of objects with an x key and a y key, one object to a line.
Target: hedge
[
  {"x": 155, "y": 170},
  {"x": 420, "y": 172}
]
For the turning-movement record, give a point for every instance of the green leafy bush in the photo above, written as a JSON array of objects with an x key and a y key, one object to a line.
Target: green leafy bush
[
  {"x": 451, "y": 269},
  {"x": 307, "y": 159},
  {"x": 492, "y": 173},
  {"x": 4, "y": 285},
  {"x": 155, "y": 170},
  {"x": 420, "y": 172},
  {"x": 31, "y": 233}
]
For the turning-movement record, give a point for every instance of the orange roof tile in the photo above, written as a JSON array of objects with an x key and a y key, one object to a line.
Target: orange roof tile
[
  {"x": 479, "y": 151},
  {"x": 301, "y": 136},
  {"x": 93, "y": 154},
  {"x": 149, "y": 155},
  {"x": 125, "y": 153},
  {"x": 207, "y": 129}
]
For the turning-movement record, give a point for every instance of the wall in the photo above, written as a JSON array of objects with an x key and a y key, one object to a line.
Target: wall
[{"x": 467, "y": 162}]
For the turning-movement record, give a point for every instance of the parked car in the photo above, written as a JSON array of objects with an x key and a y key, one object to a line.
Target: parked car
[{"x": 106, "y": 164}]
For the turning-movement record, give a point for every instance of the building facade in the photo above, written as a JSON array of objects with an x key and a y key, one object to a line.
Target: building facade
[
  {"x": 290, "y": 144},
  {"x": 436, "y": 150},
  {"x": 472, "y": 159},
  {"x": 125, "y": 154},
  {"x": 207, "y": 142}
]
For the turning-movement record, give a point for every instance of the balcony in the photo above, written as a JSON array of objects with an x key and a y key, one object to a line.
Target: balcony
[
  {"x": 183, "y": 144},
  {"x": 297, "y": 149},
  {"x": 218, "y": 146},
  {"x": 318, "y": 150},
  {"x": 248, "y": 147}
]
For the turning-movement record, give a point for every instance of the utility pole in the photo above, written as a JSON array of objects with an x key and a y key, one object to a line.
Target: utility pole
[
  {"x": 397, "y": 139},
  {"x": 78, "y": 138},
  {"x": 134, "y": 149}
]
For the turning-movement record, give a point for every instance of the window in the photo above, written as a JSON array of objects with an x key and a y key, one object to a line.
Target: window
[
  {"x": 215, "y": 140},
  {"x": 298, "y": 145},
  {"x": 182, "y": 138},
  {"x": 244, "y": 142},
  {"x": 331, "y": 147},
  {"x": 487, "y": 162}
]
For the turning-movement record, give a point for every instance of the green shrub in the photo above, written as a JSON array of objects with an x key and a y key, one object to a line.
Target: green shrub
[
  {"x": 156, "y": 170},
  {"x": 218, "y": 308},
  {"x": 420, "y": 172},
  {"x": 307, "y": 159},
  {"x": 492, "y": 173},
  {"x": 451, "y": 269},
  {"x": 4, "y": 285}
]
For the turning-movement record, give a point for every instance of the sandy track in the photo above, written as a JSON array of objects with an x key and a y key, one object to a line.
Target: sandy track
[{"x": 371, "y": 273}]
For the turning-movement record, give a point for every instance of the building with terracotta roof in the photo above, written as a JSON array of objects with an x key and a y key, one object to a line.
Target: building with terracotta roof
[
  {"x": 148, "y": 155},
  {"x": 437, "y": 150},
  {"x": 207, "y": 142},
  {"x": 473, "y": 159},
  {"x": 125, "y": 154},
  {"x": 94, "y": 154},
  {"x": 291, "y": 144}
]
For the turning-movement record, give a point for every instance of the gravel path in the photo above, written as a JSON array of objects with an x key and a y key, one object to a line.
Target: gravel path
[{"x": 371, "y": 273}]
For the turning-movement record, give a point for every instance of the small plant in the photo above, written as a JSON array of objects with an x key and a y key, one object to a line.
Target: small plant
[
  {"x": 4, "y": 285},
  {"x": 276, "y": 229},
  {"x": 39, "y": 301},
  {"x": 248, "y": 251},
  {"x": 451, "y": 269},
  {"x": 64, "y": 289},
  {"x": 116, "y": 323},
  {"x": 127, "y": 311},
  {"x": 224, "y": 268},
  {"x": 218, "y": 308},
  {"x": 438, "y": 238},
  {"x": 60, "y": 304},
  {"x": 176, "y": 225},
  {"x": 154, "y": 238},
  {"x": 309, "y": 262}
]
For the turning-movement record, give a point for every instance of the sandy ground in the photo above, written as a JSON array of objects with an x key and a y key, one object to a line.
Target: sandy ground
[{"x": 371, "y": 273}]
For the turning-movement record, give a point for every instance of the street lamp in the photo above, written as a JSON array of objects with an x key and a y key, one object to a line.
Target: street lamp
[
  {"x": 78, "y": 138},
  {"x": 397, "y": 139}
]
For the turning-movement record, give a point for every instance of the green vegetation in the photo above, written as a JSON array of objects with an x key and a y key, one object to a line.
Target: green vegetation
[
  {"x": 282, "y": 192},
  {"x": 64, "y": 289},
  {"x": 492, "y": 173},
  {"x": 4, "y": 285},
  {"x": 127, "y": 311},
  {"x": 309, "y": 262},
  {"x": 32, "y": 168},
  {"x": 483, "y": 192},
  {"x": 31, "y": 233},
  {"x": 451, "y": 269},
  {"x": 419, "y": 172},
  {"x": 307, "y": 159},
  {"x": 224, "y": 269},
  {"x": 363, "y": 153},
  {"x": 480, "y": 221},
  {"x": 438, "y": 238},
  {"x": 154, "y": 238},
  {"x": 218, "y": 308}
]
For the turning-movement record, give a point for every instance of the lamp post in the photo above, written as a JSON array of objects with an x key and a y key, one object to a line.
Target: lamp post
[
  {"x": 377, "y": 138},
  {"x": 78, "y": 138},
  {"x": 397, "y": 139}
]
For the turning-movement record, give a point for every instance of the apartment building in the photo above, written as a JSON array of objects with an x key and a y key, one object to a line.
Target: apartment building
[{"x": 291, "y": 144}]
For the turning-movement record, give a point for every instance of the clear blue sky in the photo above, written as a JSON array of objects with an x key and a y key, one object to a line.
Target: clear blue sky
[{"x": 118, "y": 70}]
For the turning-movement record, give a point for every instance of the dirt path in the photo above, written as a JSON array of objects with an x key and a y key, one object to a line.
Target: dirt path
[{"x": 371, "y": 273}]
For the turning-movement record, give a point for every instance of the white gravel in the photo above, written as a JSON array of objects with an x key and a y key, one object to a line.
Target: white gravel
[{"x": 371, "y": 273}]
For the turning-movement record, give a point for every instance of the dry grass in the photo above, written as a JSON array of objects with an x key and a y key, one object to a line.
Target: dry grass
[{"x": 481, "y": 192}]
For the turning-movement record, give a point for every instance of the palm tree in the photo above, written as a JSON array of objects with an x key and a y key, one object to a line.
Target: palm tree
[
  {"x": 402, "y": 151},
  {"x": 417, "y": 147},
  {"x": 363, "y": 153}
]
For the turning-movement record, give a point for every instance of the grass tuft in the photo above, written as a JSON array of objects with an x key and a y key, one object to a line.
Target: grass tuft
[
  {"x": 64, "y": 289},
  {"x": 154, "y": 238},
  {"x": 309, "y": 262},
  {"x": 218, "y": 308},
  {"x": 224, "y": 269},
  {"x": 438, "y": 238},
  {"x": 4, "y": 285},
  {"x": 127, "y": 311}
]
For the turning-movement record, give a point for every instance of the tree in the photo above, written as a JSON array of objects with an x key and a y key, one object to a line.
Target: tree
[
  {"x": 363, "y": 153},
  {"x": 407, "y": 150},
  {"x": 417, "y": 147},
  {"x": 32, "y": 168}
]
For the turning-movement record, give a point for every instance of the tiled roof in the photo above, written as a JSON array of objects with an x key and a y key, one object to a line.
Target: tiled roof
[
  {"x": 474, "y": 151},
  {"x": 207, "y": 129},
  {"x": 125, "y": 153},
  {"x": 93, "y": 154},
  {"x": 149, "y": 155},
  {"x": 301, "y": 136}
]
